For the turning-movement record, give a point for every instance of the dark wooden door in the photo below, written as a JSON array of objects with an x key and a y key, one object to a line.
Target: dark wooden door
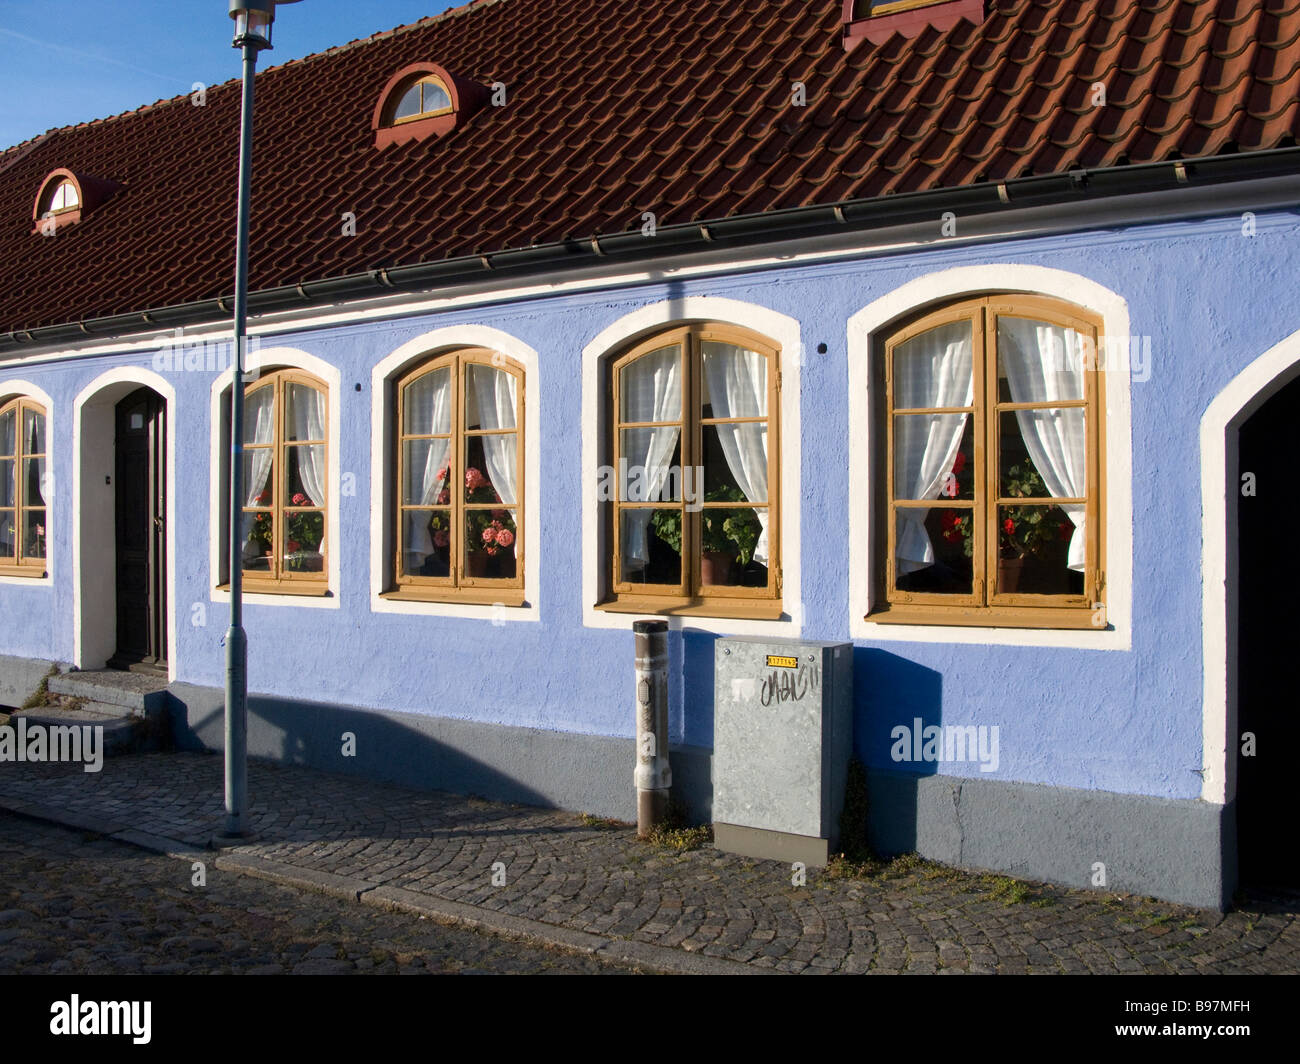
[
  {"x": 1268, "y": 633},
  {"x": 141, "y": 510}
]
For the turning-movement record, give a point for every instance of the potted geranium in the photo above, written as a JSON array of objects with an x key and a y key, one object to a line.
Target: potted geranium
[
  {"x": 1026, "y": 533},
  {"x": 490, "y": 534}
]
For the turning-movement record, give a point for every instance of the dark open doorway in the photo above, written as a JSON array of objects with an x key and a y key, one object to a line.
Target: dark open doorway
[
  {"x": 1268, "y": 644},
  {"x": 140, "y": 522}
]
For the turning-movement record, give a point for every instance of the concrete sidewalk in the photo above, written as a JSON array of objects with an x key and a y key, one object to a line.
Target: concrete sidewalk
[{"x": 588, "y": 886}]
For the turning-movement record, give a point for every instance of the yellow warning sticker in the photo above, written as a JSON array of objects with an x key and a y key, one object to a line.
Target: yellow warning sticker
[{"x": 776, "y": 661}]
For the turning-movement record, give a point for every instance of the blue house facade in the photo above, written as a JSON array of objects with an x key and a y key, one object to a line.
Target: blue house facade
[{"x": 1047, "y": 688}]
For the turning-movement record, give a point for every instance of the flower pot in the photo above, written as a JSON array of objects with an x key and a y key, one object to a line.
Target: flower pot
[
  {"x": 715, "y": 567},
  {"x": 1009, "y": 570},
  {"x": 476, "y": 564}
]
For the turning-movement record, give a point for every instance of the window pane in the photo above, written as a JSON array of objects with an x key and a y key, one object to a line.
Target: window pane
[
  {"x": 1043, "y": 453},
  {"x": 33, "y": 432},
  {"x": 426, "y": 542},
  {"x": 934, "y": 368},
  {"x": 425, "y": 472},
  {"x": 932, "y": 552},
  {"x": 258, "y": 465},
  {"x": 734, "y": 547},
  {"x": 255, "y": 532},
  {"x": 426, "y": 404},
  {"x": 491, "y": 539},
  {"x": 7, "y": 486},
  {"x": 489, "y": 398},
  {"x": 650, "y": 388},
  {"x": 1039, "y": 362},
  {"x": 34, "y": 534},
  {"x": 435, "y": 97},
  {"x": 304, "y": 479},
  {"x": 409, "y": 104},
  {"x": 303, "y": 533},
  {"x": 304, "y": 417},
  {"x": 8, "y": 533},
  {"x": 926, "y": 450},
  {"x": 7, "y": 432},
  {"x": 735, "y": 462},
  {"x": 651, "y": 546},
  {"x": 651, "y": 468},
  {"x": 1035, "y": 548},
  {"x": 259, "y": 415},
  {"x": 33, "y": 481},
  {"x": 734, "y": 381}
]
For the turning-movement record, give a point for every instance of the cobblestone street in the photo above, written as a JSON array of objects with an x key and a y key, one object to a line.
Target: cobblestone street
[
  {"x": 591, "y": 883},
  {"x": 73, "y": 902}
]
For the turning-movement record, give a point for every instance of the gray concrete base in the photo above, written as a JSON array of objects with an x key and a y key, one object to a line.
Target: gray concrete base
[
  {"x": 582, "y": 773},
  {"x": 771, "y": 845},
  {"x": 1177, "y": 850},
  {"x": 19, "y": 677}
]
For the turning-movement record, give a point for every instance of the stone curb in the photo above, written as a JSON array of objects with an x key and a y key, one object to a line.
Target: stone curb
[{"x": 618, "y": 951}]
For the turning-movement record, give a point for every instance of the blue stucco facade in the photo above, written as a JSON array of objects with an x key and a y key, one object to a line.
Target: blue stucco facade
[{"x": 1128, "y": 721}]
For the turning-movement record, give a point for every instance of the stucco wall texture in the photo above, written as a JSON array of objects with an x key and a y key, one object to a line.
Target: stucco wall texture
[{"x": 1210, "y": 298}]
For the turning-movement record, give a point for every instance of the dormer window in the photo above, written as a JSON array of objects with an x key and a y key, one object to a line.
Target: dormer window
[
  {"x": 424, "y": 100},
  {"x": 66, "y": 198},
  {"x": 878, "y": 20},
  {"x": 428, "y": 96}
]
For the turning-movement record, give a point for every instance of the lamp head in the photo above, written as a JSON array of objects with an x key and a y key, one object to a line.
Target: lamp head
[{"x": 253, "y": 19}]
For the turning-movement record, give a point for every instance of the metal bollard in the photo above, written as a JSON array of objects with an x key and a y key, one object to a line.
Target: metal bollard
[{"x": 653, "y": 777}]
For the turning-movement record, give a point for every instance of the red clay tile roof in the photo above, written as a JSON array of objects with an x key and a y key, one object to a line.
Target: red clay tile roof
[{"x": 681, "y": 107}]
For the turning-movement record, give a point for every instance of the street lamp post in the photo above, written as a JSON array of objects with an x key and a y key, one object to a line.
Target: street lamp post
[{"x": 253, "y": 19}]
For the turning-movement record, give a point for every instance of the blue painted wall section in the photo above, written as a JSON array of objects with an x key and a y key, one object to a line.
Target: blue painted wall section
[{"x": 1211, "y": 299}]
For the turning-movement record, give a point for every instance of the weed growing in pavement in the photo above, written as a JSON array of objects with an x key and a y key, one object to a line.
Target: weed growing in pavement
[
  {"x": 602, "y": 823},
  {"x": 41, "y": 696}
]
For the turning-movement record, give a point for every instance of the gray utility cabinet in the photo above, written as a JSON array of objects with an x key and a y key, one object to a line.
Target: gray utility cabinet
[{"x": 782, "y": 738}]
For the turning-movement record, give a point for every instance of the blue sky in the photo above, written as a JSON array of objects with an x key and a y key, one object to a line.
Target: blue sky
[{"x": 68, "y": 61}]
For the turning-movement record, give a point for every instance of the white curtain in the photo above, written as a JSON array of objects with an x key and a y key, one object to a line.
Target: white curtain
[
  {"x": 737, "y": 383},
  {"x": 933, "y": 369},
  {"x": 650, "y": 389},
  {"x": 309, "y": 424},
  {"x": 1044, "y": 364},
  {"x": 428, "y": 409},
  {"x": 494, "y": 392},
  {"x": 259, "y": 415}
]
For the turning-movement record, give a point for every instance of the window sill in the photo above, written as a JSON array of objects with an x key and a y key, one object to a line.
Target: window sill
[
  {"x": 303, "y": 591},
  {"x": 733, "y": 609},
  {"x": 510, "y": 596},
  {"x": 1005, "y": 617},
  {"x": 29, "y": 572}
]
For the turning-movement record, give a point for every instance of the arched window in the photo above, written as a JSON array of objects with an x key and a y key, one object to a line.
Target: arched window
[
  {"x": 989, "y": 476},
  {"x": 691, "y": 480},
  {"x": 460, "y": 467},
  {"x": 63, "y": 198},
  {"x": 423, "y": 98},
  {"x": 285, "y": 482},
  {"x": 23, "y": 515}
]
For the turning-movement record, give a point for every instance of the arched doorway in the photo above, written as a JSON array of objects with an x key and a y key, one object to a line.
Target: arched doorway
[{"x": 1268, "y": 633}]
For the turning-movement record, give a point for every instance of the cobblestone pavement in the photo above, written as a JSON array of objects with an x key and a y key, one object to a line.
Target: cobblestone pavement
[
  {"x": 567, "y": 871},
  {"x": 78, "y": 903}
]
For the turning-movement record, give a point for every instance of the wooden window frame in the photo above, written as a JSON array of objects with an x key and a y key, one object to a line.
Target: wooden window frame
[
  {"x": 459, "y": 586},
  {"x": 689, "y": 597},
  {"x": 18, "y": 565},
  {"x": 280, "y": 581},
  {"x": 399, "y": 94},
  {"x": 987, "y": 606}
]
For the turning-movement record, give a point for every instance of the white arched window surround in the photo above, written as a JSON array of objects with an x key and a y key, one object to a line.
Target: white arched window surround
[
  {"x": 784, "y": 332},
  {"x": 866, "y": 334},
  {"x": 268, "y": 358},
  {"x": 15, "y": 389},
  {"x": 1231, "y": 408},
  {"x": 382, "y": 474}
]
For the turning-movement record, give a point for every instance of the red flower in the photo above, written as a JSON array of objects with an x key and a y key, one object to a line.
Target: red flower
[
  {"x": 444, "y": 496},
  {"x": 293, "y": 546},
  {"x": 301, "y": 500},
  {"x": 960, "y": 463},
  {"x": 1008, "y": 526}
]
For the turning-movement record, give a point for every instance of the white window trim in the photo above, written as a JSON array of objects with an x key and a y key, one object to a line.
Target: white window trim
[
  {"x": 91, "y": 633},
  {"x": 11, "y": 389},
  {"x": 1240, "y": 398},
  {"x": 382, "y": 493},
  {"x": 782, "y": 331},
  {"x": 255, "y": 361},
  {"x": 968, "y": 282}
]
